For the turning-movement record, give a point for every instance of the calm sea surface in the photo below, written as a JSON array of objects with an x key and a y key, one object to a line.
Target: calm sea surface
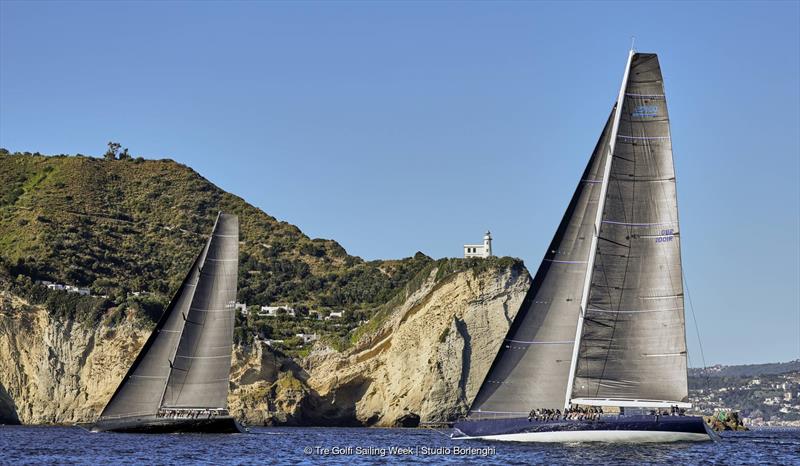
[{"x": 60, "y": 445}]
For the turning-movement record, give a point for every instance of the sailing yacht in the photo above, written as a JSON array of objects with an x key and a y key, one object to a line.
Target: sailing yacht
[
  {"x": 179, "y": 380},
  {"x": 602, "y": 327}
]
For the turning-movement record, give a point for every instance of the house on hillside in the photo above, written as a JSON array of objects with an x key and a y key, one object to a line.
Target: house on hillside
[
  {"x": 83, "y": 291},
  {"x": 335, "y": 315},
  {"x": 273, "y": 311},
  {"x": 307, "y": 337}
]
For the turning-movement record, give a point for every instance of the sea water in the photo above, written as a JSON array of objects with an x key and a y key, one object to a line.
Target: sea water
[{"x": 353, "y": 446}]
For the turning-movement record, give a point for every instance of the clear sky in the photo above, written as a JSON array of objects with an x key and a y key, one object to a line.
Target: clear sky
[{"x": 398, "y": 127}]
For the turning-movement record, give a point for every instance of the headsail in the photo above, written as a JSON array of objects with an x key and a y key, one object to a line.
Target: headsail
[
  {"x": 633, "y": 343},
  {"x": 202, "y": 362},
  {"x": 141, "y": 391},
  {"x": 532, "y": 366}
]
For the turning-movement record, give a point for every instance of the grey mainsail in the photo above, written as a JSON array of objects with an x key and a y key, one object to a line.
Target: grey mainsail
[
  {"x": 633, "y": 343},
  {"x": 142, "y": 389},
  {"x": 532, "y": 366},
  {"x": 202, "y": 362}
]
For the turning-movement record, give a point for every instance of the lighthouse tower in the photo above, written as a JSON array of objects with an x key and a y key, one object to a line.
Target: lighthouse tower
[
  {"x": 487, "y": 244},
  {"x": 479, "y": 250}
]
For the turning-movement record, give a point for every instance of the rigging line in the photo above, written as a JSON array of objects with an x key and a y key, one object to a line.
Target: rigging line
[{"x": 696, "y": 326}]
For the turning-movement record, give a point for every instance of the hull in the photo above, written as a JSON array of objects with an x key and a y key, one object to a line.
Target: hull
[
  {"x": 154, "y": 425},
  {"x": 627, "y": 429}
]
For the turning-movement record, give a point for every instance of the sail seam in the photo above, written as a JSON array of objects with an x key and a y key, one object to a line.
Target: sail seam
[
  {"x": 634, "y": 311},
  {"x": 642, "y": 138},
  {"x": 631, "y": 224},
  {"x": 556, "y": 342}
]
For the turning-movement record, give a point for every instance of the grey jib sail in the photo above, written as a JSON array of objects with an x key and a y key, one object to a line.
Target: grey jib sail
[
  {"x": 633, "y": 343},
  {"x": 532, "y": 366},
  {"x": 141, "y": 391}
]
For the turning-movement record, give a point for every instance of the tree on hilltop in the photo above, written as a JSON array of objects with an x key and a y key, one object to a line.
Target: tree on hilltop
[{"x": 113, "y": 150}]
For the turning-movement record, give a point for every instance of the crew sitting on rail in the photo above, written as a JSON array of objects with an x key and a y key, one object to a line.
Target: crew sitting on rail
[{"x": 544, "y": 414}]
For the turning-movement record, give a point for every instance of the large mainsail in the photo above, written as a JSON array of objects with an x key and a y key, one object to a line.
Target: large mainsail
[
  {"x": 142, "y": 389},
  {"x": 532, "y": 366},
  {"x": 633, "y": 343}
]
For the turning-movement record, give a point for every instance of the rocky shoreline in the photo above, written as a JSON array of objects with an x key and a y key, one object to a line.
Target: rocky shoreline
[{"x": 423, "y": 363}]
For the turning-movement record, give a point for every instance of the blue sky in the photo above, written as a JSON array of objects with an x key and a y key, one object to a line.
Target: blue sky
[{"x": 398, "y": 127}]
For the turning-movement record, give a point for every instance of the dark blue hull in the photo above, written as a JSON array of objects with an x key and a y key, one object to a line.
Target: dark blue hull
[
  {"x": 608, "y": 428},
  {"x": 154, "y": 425}
]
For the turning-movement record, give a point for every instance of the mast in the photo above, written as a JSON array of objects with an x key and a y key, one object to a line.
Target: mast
[{"x": 598, "y": 219}]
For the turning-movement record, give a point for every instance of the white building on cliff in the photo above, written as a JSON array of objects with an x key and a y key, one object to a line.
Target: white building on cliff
[{"x": 479, "y": 250}]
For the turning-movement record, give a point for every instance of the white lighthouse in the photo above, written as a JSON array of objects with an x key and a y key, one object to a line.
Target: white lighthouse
[{"x": 479, "y": 250}]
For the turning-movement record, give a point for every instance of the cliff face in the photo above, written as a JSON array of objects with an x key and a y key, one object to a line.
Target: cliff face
[
  {"x": 423, "y": 362},
  {"x": 60, "y": 371},
  {"x": 429, "y": 358}
]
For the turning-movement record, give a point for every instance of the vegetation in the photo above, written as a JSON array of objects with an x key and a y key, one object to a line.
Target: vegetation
[
  {"x": 119, "y": 225},
  {"x": 445, "y": 268}
]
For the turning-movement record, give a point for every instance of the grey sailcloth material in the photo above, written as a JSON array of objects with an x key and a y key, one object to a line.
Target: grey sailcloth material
[
  {"x": 141, "y": 389},
  {"x": 633, "y": 343},
  {"x": 202, "y": 362},
  {"x": 532, "y": 366}
]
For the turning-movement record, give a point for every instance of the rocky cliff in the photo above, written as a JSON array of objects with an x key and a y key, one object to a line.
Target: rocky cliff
[
  {"x": 427, "y": 361},
  {"x": 60, "y": 371},
  {"x": 422, "y": 359}
]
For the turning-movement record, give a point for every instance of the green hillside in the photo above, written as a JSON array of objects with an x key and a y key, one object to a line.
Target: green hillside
[{"x": 123, "y": 226}]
